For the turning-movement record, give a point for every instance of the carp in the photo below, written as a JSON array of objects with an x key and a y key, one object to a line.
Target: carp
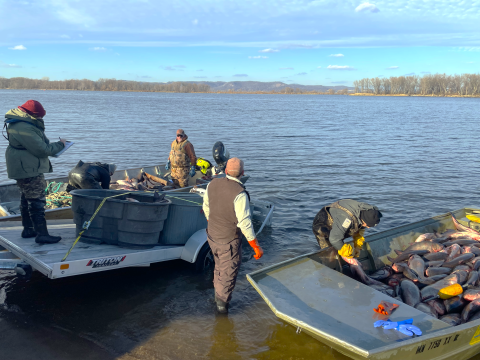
[
  {"x": 356, "y": 268},
  {"x": 434, "y": 263},
  {"x": 417, "y": 264},
  {"x": 472, "y": 278},
  {"x": 399, "y": 267},
  {"x": 461, "y": 267},
  {"x": 458, "y": 260},
  {"x": 452, "y": 319},
  {"x": 382, "y": 273},
  {"x": 432, "y": 290},
  {"x": 472, "y": 294},
  {"x": 425, "y": 245},
  {"x": 466, "y": 229},
  {"x": 453, "y": 251},
  {"x": 472, "y": 249},
  {"x": 470, "y": 310},
  {"x": 406, "y": 255},
  {"x": 475, "y": 317},
  {"x": 436, "y": 256},
  {"x": 410, "y": 293},
  {"x": 426, "y": 309},
  {"x": 438, "y": 306},
  {"x": 432, "y": 271},
  {"x": 425, "y": 237},
  {"x": 455, "y": 304}
]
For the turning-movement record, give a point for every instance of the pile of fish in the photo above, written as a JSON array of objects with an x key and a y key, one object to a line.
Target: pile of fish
[
  {"x": 433, "y": 262},
  {"x": 143, "y": 182}
]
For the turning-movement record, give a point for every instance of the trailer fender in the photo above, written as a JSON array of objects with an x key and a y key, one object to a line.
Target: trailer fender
[{"x": 193, "y": 246}]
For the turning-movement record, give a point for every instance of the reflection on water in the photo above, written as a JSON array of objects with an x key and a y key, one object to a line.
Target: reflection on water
[{"x": 412, "y": 157}]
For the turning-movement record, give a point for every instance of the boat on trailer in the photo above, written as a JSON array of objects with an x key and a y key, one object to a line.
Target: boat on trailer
[{"x": 312, "y": 293}]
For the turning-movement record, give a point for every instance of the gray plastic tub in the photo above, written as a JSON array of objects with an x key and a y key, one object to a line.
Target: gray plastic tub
[
  {"x": 184, "y": 219},
  {"x": 119, "y": 221}
]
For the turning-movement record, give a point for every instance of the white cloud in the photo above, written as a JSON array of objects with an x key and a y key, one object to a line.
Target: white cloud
[
  {"x": 65, "y": 36},
  {"x": 393, "y": 67},
  {"x": 258, "y": 57},
  {"x": 337, "y": 55},
  {"x": 98, "y": 48},
  {"x": 366, "y": 6},
  {"x": 18, "y": 47},
  {"x": 3, "y": 65},
  {"x": 240, "y": 75},
  {"x": 268, "y": 51},
  {"x": 340, "y": 67},
  {"x": 195, "y": 22},
  {"x": 286, "y": 68}
]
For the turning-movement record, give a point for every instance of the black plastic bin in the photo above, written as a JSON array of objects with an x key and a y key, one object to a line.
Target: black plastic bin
[{"x": 119, "y": 221}]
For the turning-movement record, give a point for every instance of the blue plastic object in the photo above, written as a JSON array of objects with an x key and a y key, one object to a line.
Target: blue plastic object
[
  {"x": 167, "y": 167},
  {"x": 192, "y": 171},
  {"x": 409, "y": 330},
  {"x": 396, "y": 324},
  {"x": 381, "y": 323}
]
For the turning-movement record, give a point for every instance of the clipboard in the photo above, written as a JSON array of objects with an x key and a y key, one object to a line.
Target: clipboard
[{"x": 67, "y": 146}]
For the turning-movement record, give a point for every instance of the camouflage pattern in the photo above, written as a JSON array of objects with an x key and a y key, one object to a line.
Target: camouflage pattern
[
  {"x": 180, "y": 176},
  {"x": 322, "y": 224},
  {"x": 33, "y": 187}
]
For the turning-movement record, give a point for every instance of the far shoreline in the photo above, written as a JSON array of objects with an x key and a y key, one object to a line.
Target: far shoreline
[{"x": 259, "y": 93}]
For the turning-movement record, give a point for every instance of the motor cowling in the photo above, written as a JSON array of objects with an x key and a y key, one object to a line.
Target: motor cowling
[{"x": 220, "y": 155}]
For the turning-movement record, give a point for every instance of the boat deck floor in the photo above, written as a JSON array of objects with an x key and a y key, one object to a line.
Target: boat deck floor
[{"x": 332, "y": 305}]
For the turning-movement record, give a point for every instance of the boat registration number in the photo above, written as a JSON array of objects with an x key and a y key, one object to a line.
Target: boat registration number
[
  {"x": 476, "y": 337},
  {"x": 437, "y": 343}
]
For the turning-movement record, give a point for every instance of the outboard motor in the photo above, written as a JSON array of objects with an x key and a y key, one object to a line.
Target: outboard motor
[{"x": 221, "y": 156}]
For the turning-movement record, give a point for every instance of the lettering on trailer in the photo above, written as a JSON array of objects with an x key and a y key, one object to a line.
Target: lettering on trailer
[
  {"x": 110, "y": 261},
  {"x": 435, "y": 344}
]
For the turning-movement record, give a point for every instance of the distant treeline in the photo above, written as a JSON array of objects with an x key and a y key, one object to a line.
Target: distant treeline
[
  {"x": 431, "y": 84},
  {"x": 45, "y": 83},
  {"x": 100, "y": 85}
]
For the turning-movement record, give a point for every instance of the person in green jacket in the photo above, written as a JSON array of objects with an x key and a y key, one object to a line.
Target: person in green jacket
[{"x": 27, "y": 160}]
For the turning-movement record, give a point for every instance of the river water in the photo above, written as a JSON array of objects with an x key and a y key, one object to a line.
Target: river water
[{"x": 413, "y": 157}]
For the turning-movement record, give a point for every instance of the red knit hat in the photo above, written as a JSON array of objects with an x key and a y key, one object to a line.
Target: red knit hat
[{"x": 34, "y": 108}]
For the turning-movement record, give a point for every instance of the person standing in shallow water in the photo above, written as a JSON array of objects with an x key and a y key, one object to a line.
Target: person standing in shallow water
[
  {"x": 182, "y": 160},
  {"x": 342, "y": 219},
  {"x": 27, "y": 160},
  {"x": 226, "y": 205}
]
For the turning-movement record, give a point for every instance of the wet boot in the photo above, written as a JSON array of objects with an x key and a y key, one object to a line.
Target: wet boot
[
  {"x": 37, "y": 214},
  {"x": 28, "y": 230},
  {"x": 222, "y": 307}
]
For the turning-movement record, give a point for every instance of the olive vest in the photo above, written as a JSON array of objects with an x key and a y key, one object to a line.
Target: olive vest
[
  {"x": 178, "y": 155},
  {"x": 222, "y": 222},
  {"x": 355, "y": 226}
]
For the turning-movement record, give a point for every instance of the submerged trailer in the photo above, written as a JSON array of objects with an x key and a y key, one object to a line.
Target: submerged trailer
[
  {"x": 24, "y": 255},
  {"x": 311, "y": 293}
]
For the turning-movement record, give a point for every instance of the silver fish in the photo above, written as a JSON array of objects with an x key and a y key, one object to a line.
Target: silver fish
[
  {"x": 438, "y": 305},
  {"x": 452, "y": 319},
  {"x": 426, "y": 309},
  {"x": 472, "y": 278},
  {"x": 436, "y": 256},
  {"x": 432, "y": 290},
  {"x": 470, "y": 310},
  {"x": 432, "y": 271},
  {"x": 472, "y": 294},
  {"x": 458, "y": 260},
  {"x": 425, "y": 245},
  {"x": 410, "y": 293},
  {"x": 455, "y": 304},
  {"x": 434, "y": 263},
  {"x": 406, "y": 255},
  {"x": 382, "y": 273}
]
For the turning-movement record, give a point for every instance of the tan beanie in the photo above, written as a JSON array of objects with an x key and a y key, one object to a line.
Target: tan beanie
[{"x": 234, "y": 167}]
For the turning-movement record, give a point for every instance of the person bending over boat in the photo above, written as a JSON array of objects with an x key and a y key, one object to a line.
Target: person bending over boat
[
  {"x": 342, "y": 219},
  {"x": 27, "y": 160},
  {"x": 90, "y": 176},
  {"x": 182, "y": 160},
  {"x": 226, "y": 205}
]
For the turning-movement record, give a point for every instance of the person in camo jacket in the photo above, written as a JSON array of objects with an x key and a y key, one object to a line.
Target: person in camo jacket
[{"x": 182, "y": 160}]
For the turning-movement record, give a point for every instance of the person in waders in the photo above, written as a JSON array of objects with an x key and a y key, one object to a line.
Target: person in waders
[
  {"x": 27, "y": 160},
  {"x": 90, "y": 176},
  {"x": 342, "y": 219},
  {"x": 182, "y": 160},
  {"x": 226, "y": 205}
]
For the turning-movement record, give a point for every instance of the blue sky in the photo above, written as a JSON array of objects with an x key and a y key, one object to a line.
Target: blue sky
[{"x": 307, "y": 42}]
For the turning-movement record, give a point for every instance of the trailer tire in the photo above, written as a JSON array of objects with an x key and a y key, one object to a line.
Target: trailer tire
[{"x": 204, "y": 259}]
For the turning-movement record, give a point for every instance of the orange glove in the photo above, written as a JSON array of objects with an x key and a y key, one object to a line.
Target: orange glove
[
  {"x": 385, "y": 308},
  {"x": 258, "y": 250}
]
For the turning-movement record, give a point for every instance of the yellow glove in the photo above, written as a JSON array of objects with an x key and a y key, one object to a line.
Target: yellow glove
[
  {"x": 358, "y": 239},
  {"x": 473, "y": 218},
  {"x": 346, "y": 251}
]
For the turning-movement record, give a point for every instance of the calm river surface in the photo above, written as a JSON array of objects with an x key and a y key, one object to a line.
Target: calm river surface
[{"x": 413, "y": 157}]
